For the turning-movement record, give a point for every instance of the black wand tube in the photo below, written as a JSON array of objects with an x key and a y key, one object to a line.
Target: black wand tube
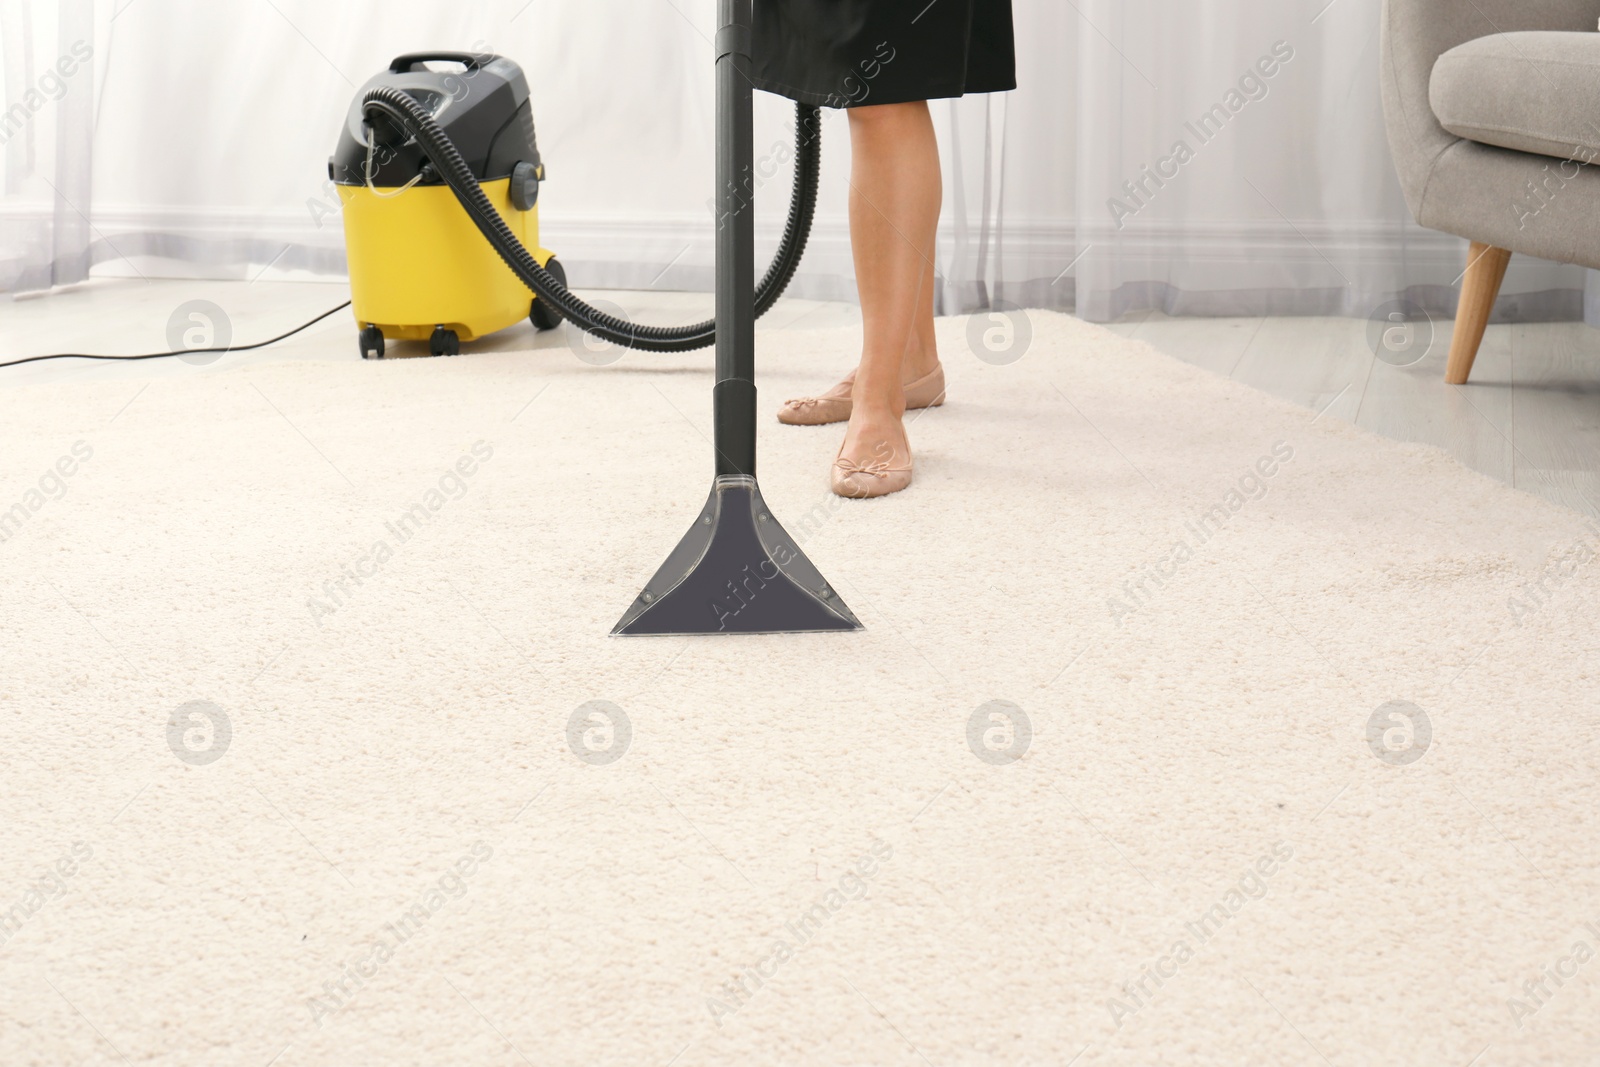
[{"x": 734, "y": 401}]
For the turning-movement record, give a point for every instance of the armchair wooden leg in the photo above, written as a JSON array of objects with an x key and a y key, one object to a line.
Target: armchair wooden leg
[{"x": 1486, "y": 269}]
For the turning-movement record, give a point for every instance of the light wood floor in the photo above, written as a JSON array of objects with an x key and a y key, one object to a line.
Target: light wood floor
[{"x": 1530, "y": 417}]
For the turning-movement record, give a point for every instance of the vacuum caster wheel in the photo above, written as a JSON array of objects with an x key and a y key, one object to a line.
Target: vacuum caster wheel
[
  {"x": 543, "y": 316},
  {"x": 444, "y": 342},
  {"x": 371, "y": 343}
]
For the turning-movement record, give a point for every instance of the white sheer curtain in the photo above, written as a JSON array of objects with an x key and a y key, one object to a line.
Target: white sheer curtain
[
  {"x": 195, "y": 143},
  {"x": 1270, "y": 188},
  {"x": 49, "y": 57}
]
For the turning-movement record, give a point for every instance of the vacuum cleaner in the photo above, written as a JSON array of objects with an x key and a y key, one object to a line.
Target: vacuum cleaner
[
  {"x": 428, "y": 157},
  {"x": 419, "y": 271}
]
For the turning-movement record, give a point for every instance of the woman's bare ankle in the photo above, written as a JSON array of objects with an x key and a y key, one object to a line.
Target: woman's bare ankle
[
  {"x": 876, "y": 429},
  {"x": 919, "y": 364}
]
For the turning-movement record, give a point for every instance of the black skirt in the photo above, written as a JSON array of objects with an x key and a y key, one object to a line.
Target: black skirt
[{"x": 854, "y": 53}]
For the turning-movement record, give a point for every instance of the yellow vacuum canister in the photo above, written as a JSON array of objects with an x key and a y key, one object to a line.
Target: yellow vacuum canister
[{"x": 419, "y": 267}]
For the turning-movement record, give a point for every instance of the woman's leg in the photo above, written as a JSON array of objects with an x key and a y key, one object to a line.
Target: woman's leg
[{"x": 895, "y": 195}]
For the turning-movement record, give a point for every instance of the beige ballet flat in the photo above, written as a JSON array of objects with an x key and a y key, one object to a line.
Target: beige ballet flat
[
  {"x": 834, "y": 405},
  {"x": 862, "y": 480}
]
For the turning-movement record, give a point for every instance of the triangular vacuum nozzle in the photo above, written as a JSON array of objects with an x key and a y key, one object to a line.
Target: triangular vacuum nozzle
[{"x": 736, "y": 571}]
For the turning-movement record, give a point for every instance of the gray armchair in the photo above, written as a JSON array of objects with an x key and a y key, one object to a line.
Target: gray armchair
[{"x": 1493, "y": 113}]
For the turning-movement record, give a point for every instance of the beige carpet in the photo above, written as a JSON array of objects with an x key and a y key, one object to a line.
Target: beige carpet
[{"x": 1181, "y": 602}]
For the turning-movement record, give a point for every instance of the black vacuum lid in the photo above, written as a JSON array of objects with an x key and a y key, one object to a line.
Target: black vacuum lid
[{"x": 482, "y": 103}]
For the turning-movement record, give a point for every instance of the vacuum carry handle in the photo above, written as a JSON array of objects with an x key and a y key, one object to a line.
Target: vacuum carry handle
[{"x": 404, "y": 64}]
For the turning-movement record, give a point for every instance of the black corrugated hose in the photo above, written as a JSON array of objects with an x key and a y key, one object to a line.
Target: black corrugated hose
[{"x": 403, "y": 109}]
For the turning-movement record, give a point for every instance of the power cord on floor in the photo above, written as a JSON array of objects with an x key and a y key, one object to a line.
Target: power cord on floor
[{"x": 186, "y": 351}]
